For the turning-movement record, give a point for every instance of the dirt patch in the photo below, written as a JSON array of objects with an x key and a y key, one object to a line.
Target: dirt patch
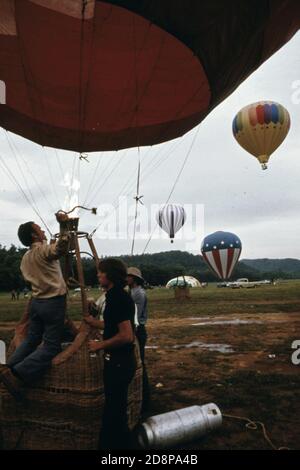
[{"x": 256, "y": 380}]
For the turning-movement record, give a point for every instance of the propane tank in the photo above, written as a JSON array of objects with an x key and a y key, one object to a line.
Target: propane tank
[{"x": 177, "y": 427}]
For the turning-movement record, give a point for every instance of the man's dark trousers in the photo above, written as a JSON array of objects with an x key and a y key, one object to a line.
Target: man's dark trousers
[
  {"x": 46, "y": 324},
  {"x": 118, "y": 372}
]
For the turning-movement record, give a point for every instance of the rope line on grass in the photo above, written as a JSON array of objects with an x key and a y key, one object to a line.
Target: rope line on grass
[{"x": 255, "y": 425}]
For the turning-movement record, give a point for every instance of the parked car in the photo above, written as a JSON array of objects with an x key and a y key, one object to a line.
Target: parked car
[{"x": 242, "y": 283}]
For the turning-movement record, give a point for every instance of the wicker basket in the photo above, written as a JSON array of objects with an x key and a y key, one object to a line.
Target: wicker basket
[
  {"x": 63, "y": 411},
  {"x": 182, "y": 293}
]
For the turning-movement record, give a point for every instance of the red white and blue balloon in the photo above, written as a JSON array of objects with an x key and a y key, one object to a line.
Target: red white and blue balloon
[{"x": 221, "y": 251}]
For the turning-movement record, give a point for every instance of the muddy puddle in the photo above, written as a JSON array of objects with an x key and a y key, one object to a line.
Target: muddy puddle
[
  {"x": 214, "y": 347},
  {"x": 237, "y": 321},
  {"x": 218, "y": 347}
]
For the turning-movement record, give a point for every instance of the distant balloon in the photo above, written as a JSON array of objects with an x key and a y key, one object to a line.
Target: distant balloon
[
  {"x": 221, "y": 251},
  {"x": 260, "y": 128},
  {"x": 171, "y": 218}
]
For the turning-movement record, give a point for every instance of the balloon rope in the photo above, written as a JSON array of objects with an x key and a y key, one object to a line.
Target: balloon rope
[
  {"x": 254, "y": 425},
  {"x": 175, "y": 182},
  {"x": 32, "y": 202},
  {"x": 137, "y": 200},
  {"x": 114, "y": 167},
  {"x": 93, "y": 177},
  {"x": 79, "y": 181},
  {"x": 17, "y": 152},
  {"x": 51, "y": 176},
  {"x": 131, "y": 180},
  {"x": 14, "y": 179},
  {"x": 15, "y": 156},
  {"x": 72, "y": 177},
  {"x": 60, "y": 168}
]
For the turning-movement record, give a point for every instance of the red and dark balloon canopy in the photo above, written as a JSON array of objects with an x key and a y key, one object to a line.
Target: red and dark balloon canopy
[{"x": 90, "y": 75}]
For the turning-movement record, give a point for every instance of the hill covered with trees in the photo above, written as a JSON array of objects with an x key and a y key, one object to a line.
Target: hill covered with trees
[
  {"x": 158, "y": 268},
  {"x": 283, "y": 267}
]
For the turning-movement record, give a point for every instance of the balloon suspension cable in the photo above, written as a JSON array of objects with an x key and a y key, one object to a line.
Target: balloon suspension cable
[
  {"x": 12, "y": 177},
  {"x": 138, "y": 199},
  {"x": 84, "y": 157},
  {"x": 175, "y": 182},
  {"x": 93, "y": 210}
]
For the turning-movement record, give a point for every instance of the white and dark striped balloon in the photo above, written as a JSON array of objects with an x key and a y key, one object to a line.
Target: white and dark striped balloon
[{"x": 171, "y": 218}]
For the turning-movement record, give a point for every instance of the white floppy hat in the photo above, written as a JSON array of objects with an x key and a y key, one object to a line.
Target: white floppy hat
[{"x": 135, "y": 272}]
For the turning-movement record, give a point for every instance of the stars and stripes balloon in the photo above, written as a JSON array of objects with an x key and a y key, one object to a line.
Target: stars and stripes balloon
[
  {"x": 221, "y": 252},
  {"x": 171, "y": 218},
  {"x": 260, "y": 128}
]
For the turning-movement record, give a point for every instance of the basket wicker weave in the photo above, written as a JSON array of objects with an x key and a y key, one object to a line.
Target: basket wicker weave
[
  {"x": 182, "y": 293},
  {"x": 63, "y": 411}
]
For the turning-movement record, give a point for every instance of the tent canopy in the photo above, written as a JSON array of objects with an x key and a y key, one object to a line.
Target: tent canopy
[{"x": 182, "y": 281}]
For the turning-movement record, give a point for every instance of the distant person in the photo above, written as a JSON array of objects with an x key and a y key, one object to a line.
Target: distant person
[
  {"x": 119, "y": 355},
  {"x": 13, "y": 295},
  {"x": 136, "y": 285},
  {"x": 40, "y": 267},
  {"x": 18, "y": 294},
  {"x": 25, "y": 292}
]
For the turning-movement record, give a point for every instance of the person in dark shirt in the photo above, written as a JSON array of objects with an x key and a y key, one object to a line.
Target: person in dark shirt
[{"x": 119, "y": 355}]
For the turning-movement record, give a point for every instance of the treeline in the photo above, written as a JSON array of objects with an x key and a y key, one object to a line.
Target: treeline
[
  {"x": 157, "y": 268},
  {"x": 10, "y": 275}
]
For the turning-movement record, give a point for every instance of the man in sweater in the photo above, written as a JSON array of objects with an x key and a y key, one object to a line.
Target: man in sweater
[{"x": 41, "y": 268}]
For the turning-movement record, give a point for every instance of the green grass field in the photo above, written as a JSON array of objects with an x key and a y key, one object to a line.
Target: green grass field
[
  {"x": 231, "y": 347},
  {"x": 283, "y": 297}
]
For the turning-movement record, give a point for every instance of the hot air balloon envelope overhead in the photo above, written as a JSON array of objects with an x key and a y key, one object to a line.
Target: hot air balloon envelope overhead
[
  {"x": 113, "y": 74},
  {"x": 171, "y": 218},
  {"x": 221, "y": 252},
  {"x": 260, "y": 128}
]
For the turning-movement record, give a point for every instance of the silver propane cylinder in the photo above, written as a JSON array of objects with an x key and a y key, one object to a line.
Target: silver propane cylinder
[{"x": 177, "y": 427}]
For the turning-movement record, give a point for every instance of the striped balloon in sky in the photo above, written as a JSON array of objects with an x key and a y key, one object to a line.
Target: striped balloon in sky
[
  {"x": 260, "y": 128},
  {"x": 221, "y": 251},
  {"x": 171, "y": 218}
]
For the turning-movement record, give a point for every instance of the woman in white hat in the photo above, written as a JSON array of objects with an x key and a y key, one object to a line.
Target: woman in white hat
[{"x": 136, "y": 282}]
